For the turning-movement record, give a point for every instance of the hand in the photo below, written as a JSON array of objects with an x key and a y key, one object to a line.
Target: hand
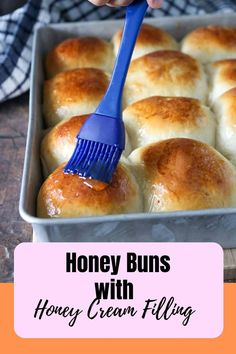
[{"x": 152, "y": 3}]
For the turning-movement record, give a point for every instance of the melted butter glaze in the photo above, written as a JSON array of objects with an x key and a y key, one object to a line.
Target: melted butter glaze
[{"x": 94, "y": 184}]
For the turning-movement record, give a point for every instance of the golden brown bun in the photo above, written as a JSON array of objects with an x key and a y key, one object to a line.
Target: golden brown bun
[
  {"x": 74, "y": 92},
  {"x": 65, "y": 195},
  {"x": 158, "y": 118},
  {"x": 165, "y": 73},
  {"x": 211, "y": 43},
  {"x": 59, "y": 143},
  {"x": 149, "y": 40},
  {"x": 184, "y": 174},
  {"x": 83, "y": 52},
  {"x": 225, "y": 109},
  {"x": 222, "y": 77}
]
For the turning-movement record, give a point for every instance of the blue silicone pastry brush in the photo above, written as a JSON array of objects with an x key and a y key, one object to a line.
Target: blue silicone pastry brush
[{"x": 102, "y": 137}]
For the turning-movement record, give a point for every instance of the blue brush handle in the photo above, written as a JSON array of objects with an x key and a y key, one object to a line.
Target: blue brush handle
[{"x": 111, "y": 105}]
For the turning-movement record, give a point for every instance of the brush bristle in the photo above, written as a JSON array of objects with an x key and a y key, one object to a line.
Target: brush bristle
[{"x": 93, "y": 159}]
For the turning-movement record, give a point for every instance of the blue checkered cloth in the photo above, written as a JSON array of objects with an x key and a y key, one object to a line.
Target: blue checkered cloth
[{"x": 16, "y": 30}]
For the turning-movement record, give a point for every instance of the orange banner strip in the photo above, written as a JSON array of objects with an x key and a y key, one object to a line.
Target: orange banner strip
[{"x": 10, "y": 343}]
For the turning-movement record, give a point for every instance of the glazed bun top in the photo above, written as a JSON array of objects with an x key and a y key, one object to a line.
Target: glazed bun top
[
  {"x": 165, "y": 73},
  {"x": 82, "y": 52},
  {"x": 211, "y": 43},
  {"x": 59, "y": 143},
  {"x": 158, "y": 118},
  {"x": 74, "y": 92},
  {"x": 150, "y": 39},
  {"x": 225, "y": 109},
  {"x": 66, "y": 195},
  {"x": 184, "y": 174},
  {"x": 222, "y": 76}
]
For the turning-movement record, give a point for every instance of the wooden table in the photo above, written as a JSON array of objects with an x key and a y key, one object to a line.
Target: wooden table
[{"x": 13, "y": 230}]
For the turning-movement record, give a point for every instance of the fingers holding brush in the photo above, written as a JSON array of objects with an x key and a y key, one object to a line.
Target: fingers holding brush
[
  {"x": 155, "y": 4},
  {"x": 152, "y": 3},
  {"x": 115, "y": 3}
]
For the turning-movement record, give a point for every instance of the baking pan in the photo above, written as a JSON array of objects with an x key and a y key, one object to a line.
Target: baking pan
[{"x": 216, "y": 225}]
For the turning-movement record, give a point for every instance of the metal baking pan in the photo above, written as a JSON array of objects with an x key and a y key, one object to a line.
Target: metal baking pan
[{"x": 217, "y": 225}]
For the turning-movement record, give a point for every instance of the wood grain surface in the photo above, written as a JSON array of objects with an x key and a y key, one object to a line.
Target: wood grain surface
[{"x": 13, "y": 230}]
